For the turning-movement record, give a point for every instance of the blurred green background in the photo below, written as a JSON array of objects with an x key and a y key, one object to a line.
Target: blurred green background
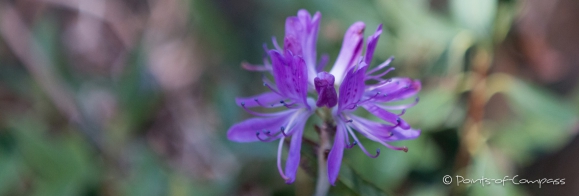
[{"x": 130, "y": 97}]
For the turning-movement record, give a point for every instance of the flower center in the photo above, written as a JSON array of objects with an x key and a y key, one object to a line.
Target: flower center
[{"x": 324, "y": 84}]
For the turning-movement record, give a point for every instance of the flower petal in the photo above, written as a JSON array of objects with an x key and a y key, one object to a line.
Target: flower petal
[
  {"x": 293, "y": 159},
  {"x": 401, "y": 134},
  {"x": 293, "y": 44},
  {"x": 336, "y": 154},
  {"x": 351, "y": 50},
  {"x": 372, "y": 42},
  {"x": 290, "y": 75},
  {"x": 386, "y": 115},
  {"x": 264, "y": 99},
  {"x": 309, "y": 39},
  {"x": 395, "y": 89},
  {"x": 352, "y": 89},
  {"x": 245, "y": 131},
  {"x": 368, "y": 127},
  {"x": 381, "y": 131}
]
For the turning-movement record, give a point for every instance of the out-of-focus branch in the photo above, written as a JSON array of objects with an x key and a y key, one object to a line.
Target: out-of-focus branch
[
  {"x": 110, "y": 12},
  {"x": 176, "y": 64},
  {"x": 21, "y": 42}
]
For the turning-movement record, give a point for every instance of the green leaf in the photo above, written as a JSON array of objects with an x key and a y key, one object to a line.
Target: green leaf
[
  {"x": 387, "y": 170},
  {"x": 476, "y": 15},
  {"x": 146, "y": 175},
  {"x": 436, "y": 107},
  {"x": 485, "y": 164},
  {"x": 61, "y": 164},
  {"x": 351, "y": 183},
  {"x": 10, "y": 167},
  {"x": 542, "y": 122}
]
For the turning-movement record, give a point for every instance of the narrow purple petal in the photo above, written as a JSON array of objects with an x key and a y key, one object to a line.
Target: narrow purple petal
[
  {"x": 245, "y": 131},
  {"x": 382, "y": 65},
  {"x": 293, "y": 44},
  {"x": 324, "y": 84},
  {"x": 280, "y": 74},
  {"x": 290, "y": 75},
  {"x": 372, "y": 42},
  {"x": 324, "y": 59},
  {"x": 294, "y": 31},
  {"x": 336, "y": 154},
  {"x": 368, "y": 127},
  {"x": 309, "y": 39},
  {"x": 362, "y": 146},
  {"x": 300, "y": 79},
  {"x": 293, "y": 159},
  {"x": 352, "y": 88},
  {"x": 275, "y": 44},
  {"x": 382, "y": 140},
  {"x": 395, "y": 89},
  {"x": 386, "y": 115},
  {"x": 351, "y": 50},
  {"x": 381, "y": 131},
  {"x": 263, "y": 100},
  {"x": 391, "y": 85},
  {"x": 251, "y": 67},
  {"x": 401, "y": 134}
]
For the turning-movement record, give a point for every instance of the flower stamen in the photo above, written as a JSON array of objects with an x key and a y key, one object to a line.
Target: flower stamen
[
  {"x": 384, "y": 64},
  {"x": 362, "y": 146},
  {"x": 349, "y": 146},
  {"x": 279, "y": 153},
  {"x": 255, "y": 113}
]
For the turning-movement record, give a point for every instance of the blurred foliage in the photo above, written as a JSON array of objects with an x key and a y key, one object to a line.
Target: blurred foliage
[{"x": 135, "y": 133}]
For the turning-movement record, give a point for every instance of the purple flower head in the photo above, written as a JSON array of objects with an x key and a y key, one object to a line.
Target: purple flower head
[
  {"x": 296, "y": 73},
  {"x": 290, "y": 69},
  {"x": 374, "y": 98},
  {"x": 301, "y": 34}
]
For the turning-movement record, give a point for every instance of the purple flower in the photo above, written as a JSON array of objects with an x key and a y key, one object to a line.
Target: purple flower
[
  {"x": 301, "y": 34},
  {"x": 355, "y": 93},
  {"x": 296, "y": 73},
  {"x": 291, "y": 68}
]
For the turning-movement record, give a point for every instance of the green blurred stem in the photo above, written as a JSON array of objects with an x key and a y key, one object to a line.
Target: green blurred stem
[{"x": 323, "y": 184}]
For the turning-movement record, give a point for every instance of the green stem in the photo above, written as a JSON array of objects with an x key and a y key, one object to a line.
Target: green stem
[{"x": 323, "y": 184}]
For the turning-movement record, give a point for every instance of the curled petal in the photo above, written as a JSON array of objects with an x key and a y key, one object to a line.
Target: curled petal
[{"x": 351, "y": 50}]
